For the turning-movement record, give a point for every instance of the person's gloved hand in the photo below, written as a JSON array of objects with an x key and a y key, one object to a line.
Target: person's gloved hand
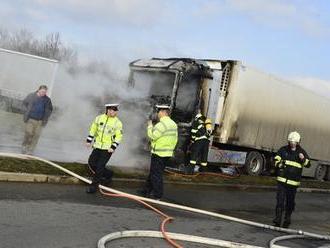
[
  {"x": 281, "y": 164},
  {"x": 301, "y": 157}
]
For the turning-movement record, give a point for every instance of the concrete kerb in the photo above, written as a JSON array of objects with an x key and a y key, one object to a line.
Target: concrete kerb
[
  {"x": 38, "y": 178},
  {"x": 42, "y": 178}
]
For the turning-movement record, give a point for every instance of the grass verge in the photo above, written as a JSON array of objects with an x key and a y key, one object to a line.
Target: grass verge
[{"x": 38, "y": 167}]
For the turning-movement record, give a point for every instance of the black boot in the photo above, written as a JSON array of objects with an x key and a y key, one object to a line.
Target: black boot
[
  {"x": 106, "y": 181},
  {"x": 142, "y": 192},
  {"x": 91, "y": 189},
  {"x": 278, "y": 218},
  {"x": 287, "y": 220}
]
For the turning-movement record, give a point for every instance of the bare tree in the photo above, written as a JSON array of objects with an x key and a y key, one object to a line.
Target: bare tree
[
  {"x": 4, "y": 36},
  {"x": 50, "y": 47}
]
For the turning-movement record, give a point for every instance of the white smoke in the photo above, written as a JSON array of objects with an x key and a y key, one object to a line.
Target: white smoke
[
  {"x": 316, "y": 85},
  {"x": 79, "y": 96}
]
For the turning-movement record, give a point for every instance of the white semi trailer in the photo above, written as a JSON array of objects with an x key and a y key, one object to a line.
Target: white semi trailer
[
  {"x": 252, "y": 111},
  {"x": 20, "y": 74}
]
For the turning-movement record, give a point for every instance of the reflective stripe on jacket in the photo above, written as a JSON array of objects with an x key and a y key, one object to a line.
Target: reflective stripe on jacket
[
  {"x": 198, "y": 128},
  {"x": 163, "y": 137},
  {"x": 106, "y": 131},
  {"x": 290, "y": 166}
]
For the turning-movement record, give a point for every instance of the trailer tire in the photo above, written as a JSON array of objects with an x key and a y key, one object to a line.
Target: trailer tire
[
  {"x": 328, "y": 174},
  {"x": 254, "y": 163},
  {"x": 320, "y": 172},
  {"x": 4, "y": 104}
]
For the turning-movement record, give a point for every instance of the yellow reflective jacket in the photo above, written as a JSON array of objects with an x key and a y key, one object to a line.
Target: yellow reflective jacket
[
  {"x": 106, "y": 131},
  {"x": 163, "y": 137}
]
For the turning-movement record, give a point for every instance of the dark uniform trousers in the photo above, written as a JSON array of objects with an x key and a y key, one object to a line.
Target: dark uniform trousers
[
  {"x": 154, "y": 184},
  {"x": 200, "y": 150},
  {"x": 97, "y": 161},
  {"x": 285, "y": 200}
]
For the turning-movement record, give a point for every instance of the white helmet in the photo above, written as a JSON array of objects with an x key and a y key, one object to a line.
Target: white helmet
[{"x": 294, "y": 137}]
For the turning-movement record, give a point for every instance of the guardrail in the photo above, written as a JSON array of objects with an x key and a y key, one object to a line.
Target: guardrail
[
  {"x": 12, "y": 94},
  {"x": 11, "y": 101}
]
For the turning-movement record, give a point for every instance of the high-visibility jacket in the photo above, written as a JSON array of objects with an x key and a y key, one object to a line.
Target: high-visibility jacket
[
  {"x": 106, "y": 132},
  {"x": 198, "y": 129},
  {"x": 290, "y": 166},
  {"x": 163, "y": 137}
]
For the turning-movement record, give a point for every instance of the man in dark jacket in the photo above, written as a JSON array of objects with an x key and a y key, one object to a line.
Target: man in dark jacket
[
  {"x": 37, "y": 109},
  {"x": 289, "y": 162}
]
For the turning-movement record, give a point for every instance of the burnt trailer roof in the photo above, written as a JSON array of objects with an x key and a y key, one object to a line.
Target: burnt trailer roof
[
  {"x": 185, "y": 65},
  {"x": 165, "y": 63},
  {"x": 179, "y": 64}
]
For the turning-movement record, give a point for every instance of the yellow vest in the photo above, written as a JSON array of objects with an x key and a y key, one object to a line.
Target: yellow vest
[
  {"x": 163, "y": 137},
  {"x": 106, "y": 132}
]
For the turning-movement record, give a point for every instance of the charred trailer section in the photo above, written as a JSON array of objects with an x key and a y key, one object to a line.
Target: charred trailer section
[{"x": 175, "y": 81}]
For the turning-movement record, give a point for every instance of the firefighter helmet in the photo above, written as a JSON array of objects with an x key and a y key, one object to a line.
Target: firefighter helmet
[
  {"x": 294, "y": 137},
  {"x": 199, "y": 115},
  {"x": 208, "y": 124}
]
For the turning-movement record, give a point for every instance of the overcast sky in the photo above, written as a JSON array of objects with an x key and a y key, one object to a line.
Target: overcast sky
[{"x": 286, "y": 37}]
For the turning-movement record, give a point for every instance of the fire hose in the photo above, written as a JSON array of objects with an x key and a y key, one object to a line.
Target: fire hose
[{"x": 143, "y": 233}]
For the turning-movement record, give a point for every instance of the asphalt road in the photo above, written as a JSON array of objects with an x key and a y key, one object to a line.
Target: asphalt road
[{"x": 63, "y": 216}]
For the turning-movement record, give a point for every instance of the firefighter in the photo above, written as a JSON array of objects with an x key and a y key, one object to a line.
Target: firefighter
[
  {"x": 289, "y": 163},
  {"x": 163, "y": 137},
  {"x": 200, "y": 134},
  {"x": 105, "y": 134}
]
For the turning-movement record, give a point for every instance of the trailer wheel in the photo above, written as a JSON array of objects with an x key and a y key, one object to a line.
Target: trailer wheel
[
  {"x": 4, "y": 105},
  {"x": 328, "y": 174},
  {"x": 254, "y": 163},
  {"x": 320, "y": 172}
]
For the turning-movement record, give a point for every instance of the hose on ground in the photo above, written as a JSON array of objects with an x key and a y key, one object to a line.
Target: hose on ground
[
  {"x": 285, "y": 237},
  {"x": 165, "y": 216},
  {"x": 178, "y": 236},
  {"x": 176, "y": 206}
]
